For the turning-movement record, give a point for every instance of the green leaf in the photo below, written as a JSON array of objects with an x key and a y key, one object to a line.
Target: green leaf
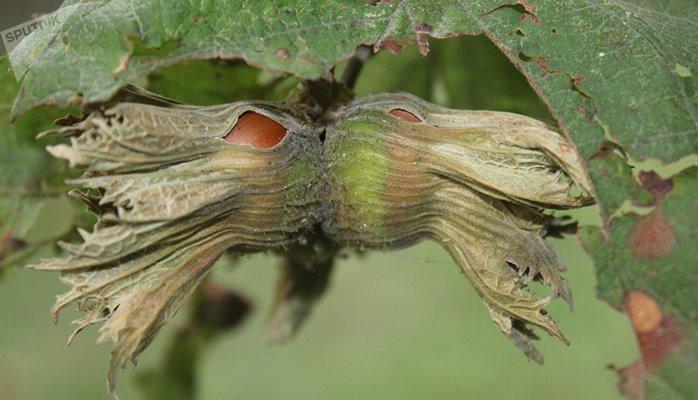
[
  {"x": 452, "y": 75},
  {"x": 608, "y": 73},
  {"x": 647, "y": 266},
  {"x": 212, "y": 82},
  {"x": 34, "y": 211},
  {"x": 103, "y": 46}
]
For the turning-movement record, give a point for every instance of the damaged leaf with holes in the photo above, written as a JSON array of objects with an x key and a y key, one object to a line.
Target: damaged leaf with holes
[
  {"x": 658, "y": 240},
  {"x": 174, "y": 186}
]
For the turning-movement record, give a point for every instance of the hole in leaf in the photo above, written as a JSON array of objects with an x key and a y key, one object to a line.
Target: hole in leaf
[
  {"x": 256, "y": 130},
  {"x": 523, "y": 57},
  {"x": 404, "y": 115}
]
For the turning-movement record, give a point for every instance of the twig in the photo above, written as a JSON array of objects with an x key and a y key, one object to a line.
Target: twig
[{"x": 355, "y": 64}]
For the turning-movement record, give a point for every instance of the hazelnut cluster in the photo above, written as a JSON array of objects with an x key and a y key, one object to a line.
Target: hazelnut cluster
[{"x": 175, "y": 186}]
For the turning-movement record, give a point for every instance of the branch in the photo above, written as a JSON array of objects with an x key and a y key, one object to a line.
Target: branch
[{"x": 355, "y": 65}]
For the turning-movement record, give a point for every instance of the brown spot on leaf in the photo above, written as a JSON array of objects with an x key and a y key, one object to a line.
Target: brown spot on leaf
[
  {"x": 654, "y": 184},
  {"x": 422, "y": 31},
  {"x": 605, "y": 150},
  {"x": 631, "y": 380},
  {"x": 652, "y": 236},
  {"x": 658, "y": 336},
  {"x": 421, "y": 27},
  {"x": 528, "y": 6},
  {"x": 657, "y": 344},
  {"x": 423, "y": 43},
  {"x": 644, "y": 312},
  {"x": 543, "y": 64},
  {"x": 575, "y": 82},
  {"x": 256, "y": 130},
  {"x": 390, "y": 45},
  {"x": 283, "y": 54},
  {"x": 526, "y": 17},
  {"x": 123, "y": 65},
  {"x": 587, "y": 113},
  {"x": 578, "y": 79}
]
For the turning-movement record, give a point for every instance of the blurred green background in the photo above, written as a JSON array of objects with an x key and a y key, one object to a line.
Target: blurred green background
[
  {"x": 399, "y": 325},
  {"x": 396, "y": 325}
]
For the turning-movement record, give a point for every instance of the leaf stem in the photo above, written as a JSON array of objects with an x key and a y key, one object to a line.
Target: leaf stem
[{"x": 355, "y": 65}]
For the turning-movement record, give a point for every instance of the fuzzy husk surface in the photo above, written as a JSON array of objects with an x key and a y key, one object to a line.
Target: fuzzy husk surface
[{"x": 171, "y": 196}]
